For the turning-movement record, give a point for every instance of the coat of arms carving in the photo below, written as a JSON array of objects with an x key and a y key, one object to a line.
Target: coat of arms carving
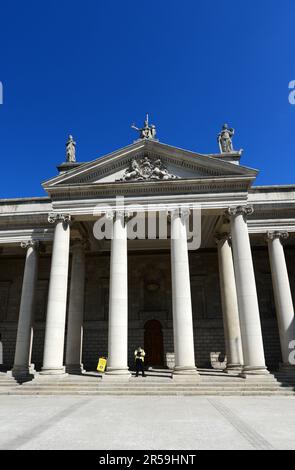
[{"x": 147, "y": 170}]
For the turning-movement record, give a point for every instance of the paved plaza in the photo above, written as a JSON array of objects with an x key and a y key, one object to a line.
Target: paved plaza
[{"x": 112, "y": 423}]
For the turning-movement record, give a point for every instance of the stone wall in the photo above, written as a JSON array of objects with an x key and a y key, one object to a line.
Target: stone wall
[
  {"x": 149, "y": 298},
  {"x": 10, "y": 287}
]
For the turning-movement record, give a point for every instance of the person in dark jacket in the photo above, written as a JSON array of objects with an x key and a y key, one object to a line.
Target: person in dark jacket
[{"x": 139, "y": 361}]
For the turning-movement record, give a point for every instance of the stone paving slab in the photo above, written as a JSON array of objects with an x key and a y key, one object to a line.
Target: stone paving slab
[{"x": 73, "y": 422}]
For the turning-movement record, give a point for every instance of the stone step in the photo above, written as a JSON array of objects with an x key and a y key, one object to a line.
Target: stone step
[
  {"x": 164, "y": 389},
  {"x": 151, "y": 393},
  {"x": 292, "y": 380},
  {"x": 285, "y": 378},
  {"x": 146, "y": 382},
  {"x": 77, "y": 385},
  {"x": 158, "y": 386},
  {"x": 214, "y": 384},
  {"x": 123, "y": 387},
  {"x": 155, "y": 390},
  {"x": 8, "y": 384}
]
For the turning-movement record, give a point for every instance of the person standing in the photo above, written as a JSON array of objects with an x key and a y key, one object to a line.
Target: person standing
[{"x": 139, "y": 354}]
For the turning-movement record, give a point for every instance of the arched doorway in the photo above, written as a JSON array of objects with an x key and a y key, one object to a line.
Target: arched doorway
[{"x": 153, "y": 343}]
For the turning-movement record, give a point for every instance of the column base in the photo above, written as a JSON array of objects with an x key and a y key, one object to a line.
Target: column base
[
  {"x": 75, "y": 369},
  {"x": 23, "y": 373},
  {"x": 233, "y": 368},
  {"x": 252, "y": 372},
  {"x": 183, "y": 373},
  {"x": 52, "y": 371},
  {"x": 114, "y": 372}
]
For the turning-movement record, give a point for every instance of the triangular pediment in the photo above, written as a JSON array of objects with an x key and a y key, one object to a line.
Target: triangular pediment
[{"x": 149, "y": 161}]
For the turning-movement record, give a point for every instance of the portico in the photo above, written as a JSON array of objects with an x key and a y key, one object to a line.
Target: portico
[{"x": 187, "y": 249}]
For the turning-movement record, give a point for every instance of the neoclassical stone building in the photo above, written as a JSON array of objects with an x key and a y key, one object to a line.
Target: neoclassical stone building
[{"x": 68, "y": 297}]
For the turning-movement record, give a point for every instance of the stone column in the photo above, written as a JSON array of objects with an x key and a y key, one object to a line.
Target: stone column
[
  {"x": 282, "y": 294},
  {"x": 181, "y": 297},
  {"x": 21, "y": 367},
  {"x": 118, "y": 299},
  {"x": 253, "y": 351},
  {"x": 57, "y": 297},
  {"x": 230, "y": 310},
  {"x": 76, "y": 310}
]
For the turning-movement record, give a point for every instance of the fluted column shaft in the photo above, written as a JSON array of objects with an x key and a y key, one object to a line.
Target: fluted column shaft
[
  {"x": 181, "y": 297},
  {"x": 76, "y": 310},
  {"x": 253, "y": 351},
  {"x": 282, "y": 293},
  {"x": 23, "y": 340},
  {"x": 230, "y": 310},
  {"x": 118, "y": 299},
  {"x": 57, "y": 297}
]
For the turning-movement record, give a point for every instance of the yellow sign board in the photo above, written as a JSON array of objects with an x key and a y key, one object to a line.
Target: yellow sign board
[{"x": 101, "y": 366}]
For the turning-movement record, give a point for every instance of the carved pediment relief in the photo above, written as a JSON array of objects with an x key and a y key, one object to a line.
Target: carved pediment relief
[{"x": 147, "y": 169}]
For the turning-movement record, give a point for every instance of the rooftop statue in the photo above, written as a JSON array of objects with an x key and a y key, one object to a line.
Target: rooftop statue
[
  {"x": 225, "y": 139},
  {"x": 147, "y": 131},
  {"x": 71, "y": 150}
]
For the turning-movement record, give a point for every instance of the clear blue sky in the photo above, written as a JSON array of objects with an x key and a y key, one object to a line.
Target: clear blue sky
[{"x": 91, "y": 68}]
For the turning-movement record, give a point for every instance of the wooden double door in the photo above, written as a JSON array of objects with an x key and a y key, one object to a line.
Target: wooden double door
[{"x": 153, "y": 343}]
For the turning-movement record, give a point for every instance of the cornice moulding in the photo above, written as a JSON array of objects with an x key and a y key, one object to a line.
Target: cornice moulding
[
  {"x": 264, "y": 226},
  {"x": 24, "y": 235},
  {"x": 206, "y": 185}
]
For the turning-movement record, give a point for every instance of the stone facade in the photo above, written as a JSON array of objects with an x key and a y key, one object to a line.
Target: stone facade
[{"x": 216, "y": 305}]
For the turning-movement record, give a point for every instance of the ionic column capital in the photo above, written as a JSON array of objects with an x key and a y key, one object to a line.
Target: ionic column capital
[
  {"x": 119, "y": 214},
  {"x": 30, "y": 244},
  {"x": 110, "y": 215},
  {"x": 54, "y": 217},
  {"x": 172, "y": 214},
  {"x": 127, "y": 215},
  {"x": 277, "y": 234},
  {"x": 219, "y": 238},
  {"x": 183, "y": 212},
  {"x": 245, "y": 211}
]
